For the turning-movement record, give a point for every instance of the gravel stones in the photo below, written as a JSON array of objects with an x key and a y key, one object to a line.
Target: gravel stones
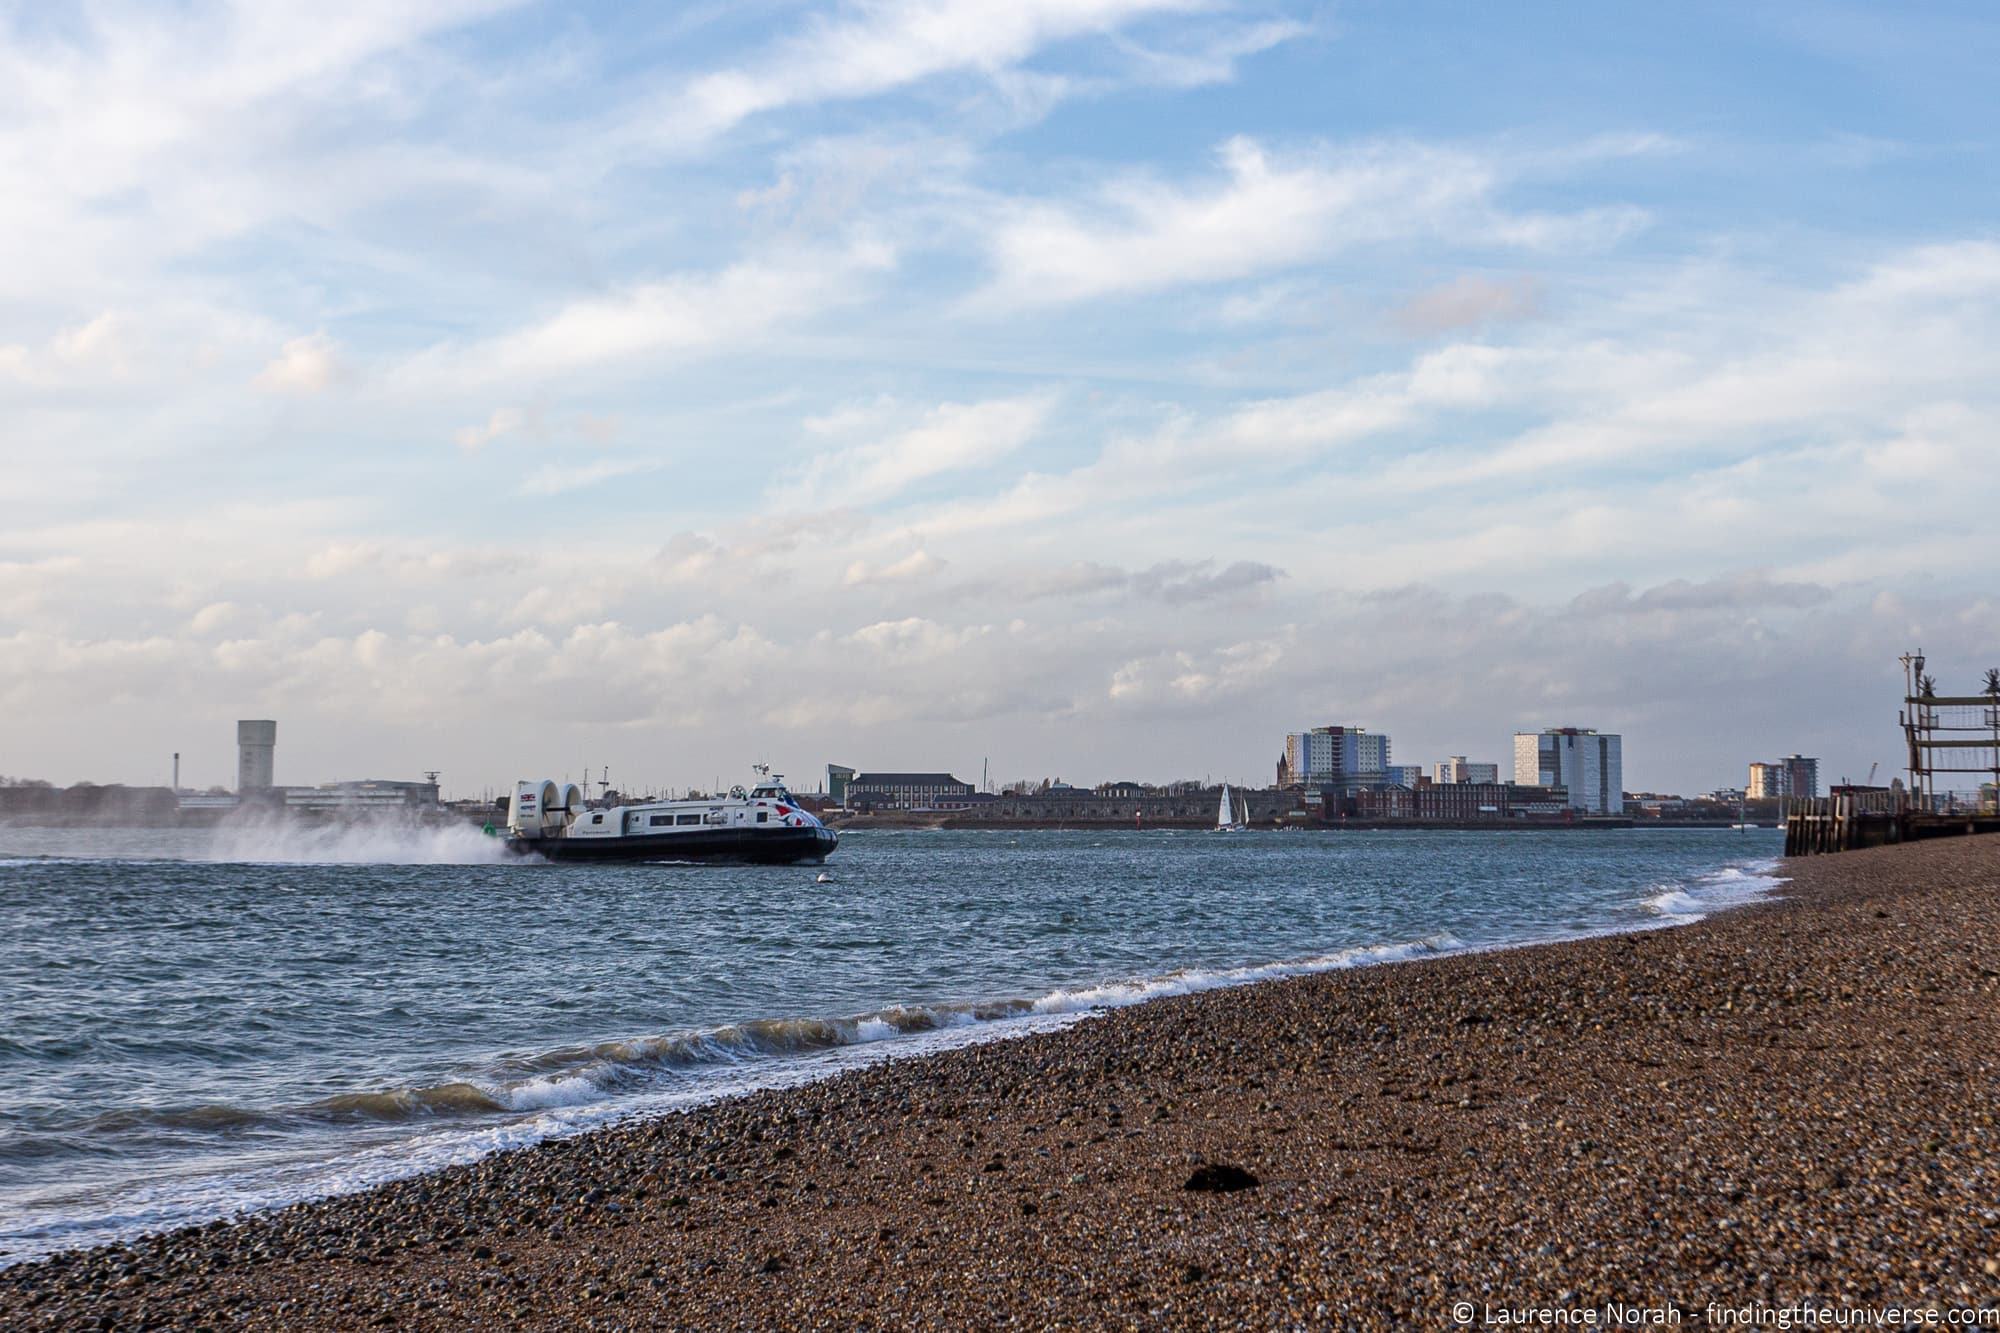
[{"x": 1220, "y": 1178}]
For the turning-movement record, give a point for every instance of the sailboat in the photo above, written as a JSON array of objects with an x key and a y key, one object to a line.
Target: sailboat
[
  {"x": 1226, "y": 820},
  {"x": 1742, "y": 815}
]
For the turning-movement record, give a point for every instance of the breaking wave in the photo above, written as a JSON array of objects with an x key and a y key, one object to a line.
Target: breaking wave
[
  {"x": 586, "y": 1075},
  {"x": 580, "y": 1074},
  {"x": 1117, "y": 994},
  {"x": 569, "y": 1089},
  {"x": 1731, "y": 886}
]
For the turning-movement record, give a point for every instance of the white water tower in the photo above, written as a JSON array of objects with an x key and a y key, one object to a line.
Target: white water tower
[{"x": 256, "y": 744}]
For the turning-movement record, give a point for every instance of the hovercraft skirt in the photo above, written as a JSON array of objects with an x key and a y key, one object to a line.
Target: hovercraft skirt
[{"x": 760, "y": 846}]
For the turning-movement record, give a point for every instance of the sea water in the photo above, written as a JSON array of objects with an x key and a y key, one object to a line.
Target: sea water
[{"x": 197, "y": 1023}]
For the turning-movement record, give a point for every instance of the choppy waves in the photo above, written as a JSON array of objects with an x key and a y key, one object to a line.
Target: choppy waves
[
  {"x": 240, "y": 1138},
  {"x": 575, "y": 1076}
]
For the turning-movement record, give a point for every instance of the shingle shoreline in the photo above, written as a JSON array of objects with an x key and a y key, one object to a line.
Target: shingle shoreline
[{"x": 1790, "y": 1100}]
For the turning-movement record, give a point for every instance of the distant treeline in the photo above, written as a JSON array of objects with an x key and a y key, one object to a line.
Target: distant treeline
[{"x": 28, "y": 799}]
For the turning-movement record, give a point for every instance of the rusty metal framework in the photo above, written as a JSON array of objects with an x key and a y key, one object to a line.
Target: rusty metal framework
[{"x": 1948, "y": 733}]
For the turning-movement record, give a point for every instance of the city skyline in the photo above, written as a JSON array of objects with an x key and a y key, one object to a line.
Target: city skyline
[
  {"x": 1320, "y": 757},
  {"x": 1104, "y": 388}
]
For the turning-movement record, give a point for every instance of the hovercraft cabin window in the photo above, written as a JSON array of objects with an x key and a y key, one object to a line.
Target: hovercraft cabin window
[
  {"x": 657, "y": 820},
  {"x": 687, "y": 819},
  {"x": 763, "y": 816}
]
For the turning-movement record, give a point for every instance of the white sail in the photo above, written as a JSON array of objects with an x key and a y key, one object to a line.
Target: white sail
[{"x": 1225, "y": 816}]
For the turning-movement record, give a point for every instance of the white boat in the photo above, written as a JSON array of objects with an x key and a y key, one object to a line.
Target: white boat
[
  {"x": 762, "y": 823},
  {"x": 1226, "y": 820}
]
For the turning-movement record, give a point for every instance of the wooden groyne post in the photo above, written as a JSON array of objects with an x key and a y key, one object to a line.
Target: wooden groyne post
[
  {"x": 1848, "y": 820},
  {"x": 1844, "y": 821}
]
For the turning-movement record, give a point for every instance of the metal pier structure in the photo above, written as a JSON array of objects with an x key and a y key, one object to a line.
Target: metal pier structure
[{"x": 1948, "y": 737}]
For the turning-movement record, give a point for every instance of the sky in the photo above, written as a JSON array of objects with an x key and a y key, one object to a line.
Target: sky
[{"x": 1095, "y": 390}]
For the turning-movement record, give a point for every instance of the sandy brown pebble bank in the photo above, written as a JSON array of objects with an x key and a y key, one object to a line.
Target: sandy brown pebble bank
[{"x": 1787, "y": 1100}]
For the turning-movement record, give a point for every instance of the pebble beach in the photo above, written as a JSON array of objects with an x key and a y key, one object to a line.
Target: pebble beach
[{"x": 1793, "y": 1099}]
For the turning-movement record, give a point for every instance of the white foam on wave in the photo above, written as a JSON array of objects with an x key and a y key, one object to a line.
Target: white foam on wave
[
  {"x": 1715, "y": 890},
  {"x": 543, "y": 1094},
  {"x": 1674, "y": 902},
  {"x": 1115, "y": 995}
]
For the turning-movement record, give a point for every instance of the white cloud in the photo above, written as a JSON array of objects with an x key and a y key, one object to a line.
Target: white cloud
[
  {"x": 556, "y": 478},
  {"x": 1181, "y": 678},
  {"x": 1814, "y": 365},
  {"x": 649, "y": 322},
  {"x": 305, "y": 365},
  {"x": 914, "y": 641},
  {"x": 748, "y": 554},
  {"x": 775, "y": 195},
  {"x": 919, "y": 564},
  {"x": 1543, "y": 453},
  {"x": 1142, "y": 234},
  {"x": 1174, "y": 582},
  {"x": 156, "y": 348},
  {"x": 410, "y": 562},
  {"x": 104, "y": 340},
  {"x": 880, "y": 47},
  {"x": 504, "y": 421},
  {"x": 952, "y": 437},
  {"x": 1195, "y": 456},
  {"x": 214, "y": 616},
  {"x": 1152, "y": 535},
  {"x": 1469, "y": 301},
  {"x": 1212, "y": 58},
  {"x": 151, "y": 136},
  {"x": 1219, "y": 656}
]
